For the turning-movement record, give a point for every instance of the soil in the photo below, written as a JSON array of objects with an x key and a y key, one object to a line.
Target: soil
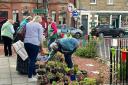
[{"x": 94, "y": 67}]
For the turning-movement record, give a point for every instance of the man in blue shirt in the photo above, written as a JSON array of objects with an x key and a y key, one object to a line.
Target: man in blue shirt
[{"x": 67, "y": 46}]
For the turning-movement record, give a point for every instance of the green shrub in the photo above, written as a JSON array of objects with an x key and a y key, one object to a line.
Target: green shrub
[
  {"x": 89, "y": 51},
  {"x": 121, "y": 71},
  {"x": 89, "y": 81}
]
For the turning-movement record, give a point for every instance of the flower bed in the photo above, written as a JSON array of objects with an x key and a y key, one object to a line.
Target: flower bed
[{"x": 56, "y": 72}]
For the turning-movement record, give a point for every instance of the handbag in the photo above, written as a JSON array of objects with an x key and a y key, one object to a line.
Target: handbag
[
  {"x": 20, "y": 50},
  {"x": 21, "y": 33}
]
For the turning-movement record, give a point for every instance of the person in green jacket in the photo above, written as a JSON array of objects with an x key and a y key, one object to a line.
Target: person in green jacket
[
  {"x": 52, "y": 32},
  {"x": 7, "y": 32}
]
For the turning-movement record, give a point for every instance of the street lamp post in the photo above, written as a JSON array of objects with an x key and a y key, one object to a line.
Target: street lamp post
[
  {"x": 45, "y": 6},
  {"x": 75, "y": 19},
  {"x": 37, "y": 6}
]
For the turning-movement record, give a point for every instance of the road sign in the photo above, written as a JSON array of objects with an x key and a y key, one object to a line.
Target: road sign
[
  {"x": 40, "y": 11},
  {"x": 75, "y": 13}
]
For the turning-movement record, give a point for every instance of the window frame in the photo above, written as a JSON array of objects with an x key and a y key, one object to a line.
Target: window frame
[
  {"x": 93, "y": 2},
  {"x": 110, "y": 2},
  {"x": 53, "y": 14}
]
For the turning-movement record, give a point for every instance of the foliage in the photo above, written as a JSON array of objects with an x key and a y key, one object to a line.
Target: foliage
[
  {"x": 89, "y": 51},
  {"x": 121, "y": 70},
  {"x": 90, "y": 81}
]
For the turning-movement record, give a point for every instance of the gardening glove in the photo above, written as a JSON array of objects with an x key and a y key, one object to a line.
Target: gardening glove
[{"x": 51, "y": 54}]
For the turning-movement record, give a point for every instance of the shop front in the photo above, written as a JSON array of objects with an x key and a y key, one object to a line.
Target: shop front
[
  {"x": 116, "y": 19},
  {"x": 124, "y": 21}
]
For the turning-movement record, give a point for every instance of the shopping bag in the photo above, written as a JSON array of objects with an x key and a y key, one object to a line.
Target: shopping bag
[
  {"x": 20, "y": 50},
  {"x": 43, "y": 58}
]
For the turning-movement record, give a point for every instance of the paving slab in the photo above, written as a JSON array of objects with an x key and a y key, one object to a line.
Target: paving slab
[
  {"x": 5, "y": 81},
  {"x": 5, "y": 70},
  {"x": 17, "y": 75},
  {"x": 5, "y": 76},
  {"x": 19, "y": 80}
]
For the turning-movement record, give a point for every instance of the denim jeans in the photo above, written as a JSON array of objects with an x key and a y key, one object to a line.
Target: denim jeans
[
  {"x": 68, "y": 59},
  {"x": 32, "y": 51}
]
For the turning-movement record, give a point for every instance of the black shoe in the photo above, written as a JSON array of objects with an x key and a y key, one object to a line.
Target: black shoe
[
  {"x": 6, "y": 55},
  {"x": 10, "y": 55}
]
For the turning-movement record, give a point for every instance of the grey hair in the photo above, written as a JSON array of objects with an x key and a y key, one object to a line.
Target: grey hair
[{"x": 36, "y": 18}]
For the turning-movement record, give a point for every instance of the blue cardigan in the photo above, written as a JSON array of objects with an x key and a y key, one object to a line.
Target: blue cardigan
[{"x": 65, "y": 45}]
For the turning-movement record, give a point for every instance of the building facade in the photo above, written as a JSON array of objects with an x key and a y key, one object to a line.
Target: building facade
[
  {"x": 17, "y": 9},
  {"x": 58, "y": 11},
  {"x": 113, "y": 12}
]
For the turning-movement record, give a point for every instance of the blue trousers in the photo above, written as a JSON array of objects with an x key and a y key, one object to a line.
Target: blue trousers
[
  {"x": 68, "y": 59},
  {"x": 32, "y": 51}
]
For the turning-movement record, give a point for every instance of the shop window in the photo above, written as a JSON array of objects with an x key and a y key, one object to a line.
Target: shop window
[
  {"x": 124, "y": 21},
  {"x": 15, "y": 15},
  {"x": 104, "y": 19},
  {"x": 4, "y": 14},
  {"x": 92, "y": 1},
  {"x": 110, "y": 2},
  {"x": 60, "y": 19}
]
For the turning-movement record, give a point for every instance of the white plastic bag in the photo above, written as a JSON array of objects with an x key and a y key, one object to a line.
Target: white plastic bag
[
  {"x": 20, "y": 50},
  {"x": 42, "y": 58}
]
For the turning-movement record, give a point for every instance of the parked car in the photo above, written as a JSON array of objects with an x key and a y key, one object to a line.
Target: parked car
[
  {"x": 107, "y": 30},
  {"x": 77, "y": 33}
]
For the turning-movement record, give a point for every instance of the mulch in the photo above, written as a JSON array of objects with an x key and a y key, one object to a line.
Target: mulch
[{"x": 94, "y": 67}]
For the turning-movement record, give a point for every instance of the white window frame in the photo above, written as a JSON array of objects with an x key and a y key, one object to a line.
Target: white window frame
[
  {"x": 53, "y": 15},
  {"x": 110, "y": 2},
  {"x": 93, "y": 2}
]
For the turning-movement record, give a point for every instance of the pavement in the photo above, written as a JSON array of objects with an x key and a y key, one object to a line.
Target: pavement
[{"x": 8, "y": 73}]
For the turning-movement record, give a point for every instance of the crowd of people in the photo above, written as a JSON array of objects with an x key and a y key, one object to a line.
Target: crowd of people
[{"x": 31, "y": 32}]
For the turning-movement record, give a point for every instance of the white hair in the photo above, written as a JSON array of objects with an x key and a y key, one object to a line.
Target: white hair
[{"x": 54, "y": 45}]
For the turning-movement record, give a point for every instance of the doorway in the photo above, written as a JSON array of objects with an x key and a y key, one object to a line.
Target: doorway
[
  {"x": 85, "y": 24},
  {"x": 3, "y": 19},
  {"x": 115, "y": 21}
]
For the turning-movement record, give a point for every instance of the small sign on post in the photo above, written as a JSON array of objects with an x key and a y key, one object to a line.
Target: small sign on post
[
  {"x": 114, "y": 42},
  {"x": 40, "y": 11},
  {"x": 75, "y": 13}
]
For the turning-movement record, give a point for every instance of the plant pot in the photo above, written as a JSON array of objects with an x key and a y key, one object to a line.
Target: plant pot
[
  {"x": 48, "y": 68},
  {"x": 73, "y": 77},
  {"x": 84, "y": 73},
  {"x": 39, "y": 77},
  {"x": 41, "y": 71},
  {"x": 54, "y": 71},
  {"x": 52, "y": 79}
]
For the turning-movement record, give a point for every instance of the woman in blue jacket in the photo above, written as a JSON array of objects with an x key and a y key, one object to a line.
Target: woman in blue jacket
[{"x": 67, "y": 46}]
